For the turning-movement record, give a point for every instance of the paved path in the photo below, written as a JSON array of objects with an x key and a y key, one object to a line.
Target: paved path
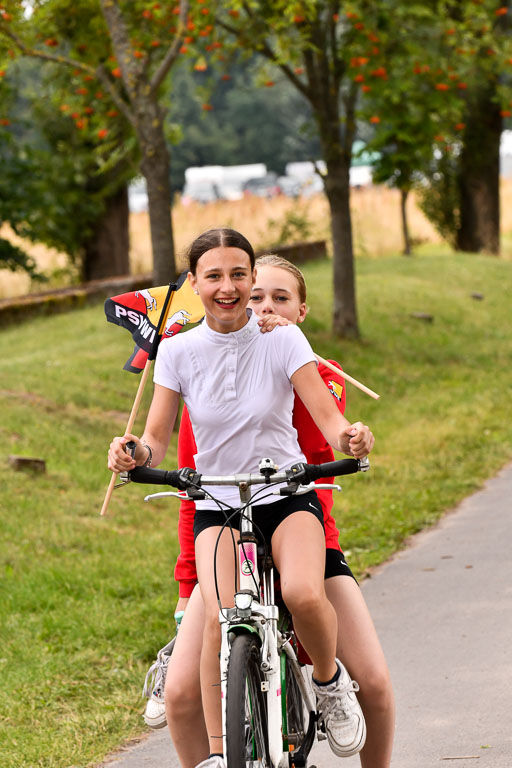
[{"x": 443, "y": 610}]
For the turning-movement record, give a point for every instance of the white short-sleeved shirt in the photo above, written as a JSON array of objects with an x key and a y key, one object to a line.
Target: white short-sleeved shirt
[{"x": 238, "y": 393}]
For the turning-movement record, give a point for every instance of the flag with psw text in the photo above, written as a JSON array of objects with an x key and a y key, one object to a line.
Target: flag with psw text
[{"x": 140, "y": 313}]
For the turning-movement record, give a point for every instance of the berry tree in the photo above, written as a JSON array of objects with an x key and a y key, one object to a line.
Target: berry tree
[
  {"x": 120, "y": 52},
  {"x": 439, "y": 117}
]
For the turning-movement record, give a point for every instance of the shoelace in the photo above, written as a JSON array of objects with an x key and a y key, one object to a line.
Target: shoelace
[
  {"x": 330, "y": 701},
  {"x": 155, "y": 677}
]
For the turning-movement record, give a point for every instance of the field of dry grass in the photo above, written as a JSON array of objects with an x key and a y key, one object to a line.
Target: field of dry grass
[{"x": 376, "y": 223}]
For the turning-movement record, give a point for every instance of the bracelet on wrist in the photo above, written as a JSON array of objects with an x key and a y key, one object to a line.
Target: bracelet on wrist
[{"x": 149, "y": 459}]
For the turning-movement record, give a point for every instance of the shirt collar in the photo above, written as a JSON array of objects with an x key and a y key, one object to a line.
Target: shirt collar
[{"x": 242, "y": 336}]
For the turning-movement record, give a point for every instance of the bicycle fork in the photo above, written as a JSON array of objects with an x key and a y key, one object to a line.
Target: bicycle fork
[{"x": 260, "y": 618}]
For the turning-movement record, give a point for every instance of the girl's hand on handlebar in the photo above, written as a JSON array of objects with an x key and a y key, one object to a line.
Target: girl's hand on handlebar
[
  {"x": 269, "y": 322},
  {"x": 358, "y": 439},
  {"x": 119, "y": 460}
]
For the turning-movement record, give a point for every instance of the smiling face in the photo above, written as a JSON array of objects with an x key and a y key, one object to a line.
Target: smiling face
[
  {"x": 224, "y": 279},
  {"x": 276, "y": 292}
]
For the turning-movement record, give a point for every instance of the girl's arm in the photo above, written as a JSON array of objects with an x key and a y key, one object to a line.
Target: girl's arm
[
  {"x": 353, "y": 439},
  {"x": 157, "y": 433}
]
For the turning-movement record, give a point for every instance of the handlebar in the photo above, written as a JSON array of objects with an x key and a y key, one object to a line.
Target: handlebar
[{"x": 300, "y": 473}]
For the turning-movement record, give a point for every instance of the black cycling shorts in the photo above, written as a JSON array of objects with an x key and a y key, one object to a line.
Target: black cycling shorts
[
  {"x": 266, "y": 517},
  {"x": 336, "y": 565}
]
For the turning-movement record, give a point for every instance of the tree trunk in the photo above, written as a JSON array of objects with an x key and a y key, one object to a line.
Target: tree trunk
[
  {"x": 404, "y": 194},
  {"x": 337, "y": 189},
  {"x": 337, "y": 153},
  {"x": 155, "y": 167},
  {"x": 106, "y": 253},
  {"x": 479, "y": 177}
]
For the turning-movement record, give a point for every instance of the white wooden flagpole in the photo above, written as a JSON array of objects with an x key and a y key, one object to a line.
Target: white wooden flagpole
[
  {"x": 345, "y": 375},
  {"x": 129, "y": 427}
]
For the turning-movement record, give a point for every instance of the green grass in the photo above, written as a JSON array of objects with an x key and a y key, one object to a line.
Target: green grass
[{"x": 85, "y": 602}]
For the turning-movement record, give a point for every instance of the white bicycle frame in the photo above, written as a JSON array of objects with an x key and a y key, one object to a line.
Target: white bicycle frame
[{"x": 254, "y": 611}]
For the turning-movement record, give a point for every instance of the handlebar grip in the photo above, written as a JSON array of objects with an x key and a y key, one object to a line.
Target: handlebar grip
[
  {"x": 334, "y": 468},
  {"x": 154, "y": 476}
]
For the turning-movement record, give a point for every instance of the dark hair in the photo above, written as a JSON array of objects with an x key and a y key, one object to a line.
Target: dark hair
[{"x": 215, "y": 238}]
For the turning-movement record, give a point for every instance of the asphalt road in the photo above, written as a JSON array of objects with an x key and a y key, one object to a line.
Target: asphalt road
[{"x": 443, "y": 610}]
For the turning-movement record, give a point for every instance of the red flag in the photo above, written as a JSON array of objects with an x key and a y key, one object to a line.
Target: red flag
[{"x": 141, "y": 313}]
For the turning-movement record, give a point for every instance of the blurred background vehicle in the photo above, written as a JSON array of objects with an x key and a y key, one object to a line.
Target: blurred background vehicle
[
  {"x": 225, "y": 182},
  {"x": 263, "y": 186}
]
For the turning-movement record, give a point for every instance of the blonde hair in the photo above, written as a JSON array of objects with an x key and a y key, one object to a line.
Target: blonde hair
[{"x": 272, "y": 260}]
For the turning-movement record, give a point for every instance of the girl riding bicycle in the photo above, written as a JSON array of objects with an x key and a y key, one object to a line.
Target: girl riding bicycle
[
  {"x": 279, "y": 295},
  {"x": 237, "y": 384}
]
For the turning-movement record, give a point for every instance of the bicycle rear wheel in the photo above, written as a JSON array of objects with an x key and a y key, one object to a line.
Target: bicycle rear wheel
[{"x": 246, "y": 707}]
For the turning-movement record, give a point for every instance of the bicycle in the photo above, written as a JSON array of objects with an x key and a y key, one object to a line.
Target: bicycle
[{"x": 261, "y": 675}]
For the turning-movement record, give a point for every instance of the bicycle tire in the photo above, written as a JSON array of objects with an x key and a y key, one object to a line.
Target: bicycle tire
[
  {"x": 295, "y": 724},
  {"x": 246, "y": 707}
]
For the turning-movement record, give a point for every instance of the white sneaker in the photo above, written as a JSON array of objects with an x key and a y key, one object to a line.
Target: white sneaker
[
  {"x": 212, "y": 762},
  {"x": 154, "y": 685},
  {"x": 341, "y": 714}
]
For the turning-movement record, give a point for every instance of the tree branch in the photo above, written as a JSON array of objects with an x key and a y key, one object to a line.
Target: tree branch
[
  {"x": 35, "y": 53},
  {"x": 122, "y": 47},
  {"x": 265, "y": 49},
  {"x": 173, "y": 51},
  {"x": 99, "y": 72}
]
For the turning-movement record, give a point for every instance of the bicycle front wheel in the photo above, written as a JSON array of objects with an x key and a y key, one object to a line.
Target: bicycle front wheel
[{"x": 246, "y": 707}]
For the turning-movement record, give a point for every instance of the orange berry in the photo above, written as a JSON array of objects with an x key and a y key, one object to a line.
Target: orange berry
[
  {"x": 442, "y": 87},
  {"x": 460, "y": 126},
  {"x": 116, "y": 72},
  {"x": 375, "y": 119},
  {"x": 206, "y": 107},
  {"x": 102, "y": 133}
]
